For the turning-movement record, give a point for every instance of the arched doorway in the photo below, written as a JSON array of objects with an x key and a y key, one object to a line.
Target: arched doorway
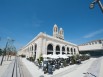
[
  {"x": 50, "y": 49},
  {"x": 68, "y": 50},
  {"x": 57, "y": 49},
  {"x": 63, "y": 50}
]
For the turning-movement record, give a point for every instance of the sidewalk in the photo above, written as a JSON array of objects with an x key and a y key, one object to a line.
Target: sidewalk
[
  {"x": 101, "y": 68},
  {"x": 24, "y": 70},
  {"x": 4, "y": 65},
  {"x": 76, "y": 71},
  {"x": 69, "y": 71}
]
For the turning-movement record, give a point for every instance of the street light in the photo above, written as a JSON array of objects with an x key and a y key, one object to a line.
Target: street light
[{"x": 99, "y": 3}]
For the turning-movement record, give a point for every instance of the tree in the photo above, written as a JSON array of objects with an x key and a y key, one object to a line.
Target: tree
[
  {"x": 1, "y": 52},
  {"x": 8, "y": 48}
]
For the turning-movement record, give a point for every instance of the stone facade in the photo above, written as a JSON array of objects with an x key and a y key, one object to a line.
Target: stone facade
[
  {"x": 94, "y": 48},
  {"x": 46, "y": 44}
]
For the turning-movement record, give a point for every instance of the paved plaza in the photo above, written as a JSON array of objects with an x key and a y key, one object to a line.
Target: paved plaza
[
  {"x": 5, "y": 65},
  {"x": 7, "y": 68},
  {"x": 89, "y": 68}
]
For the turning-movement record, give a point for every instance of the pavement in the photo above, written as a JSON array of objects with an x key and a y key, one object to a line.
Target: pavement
[
  {"x": 4, "y": 65},
  {"x": 24, "y": 70},
  {"x": 101, "y": 68},
  {"x": 76, "y": 71},
  {"x": 69, "y": 71},
  {"x": 7, "y": 67},
  {"x": 89, "y": 68},
  {"x": 94, "y": 69}
]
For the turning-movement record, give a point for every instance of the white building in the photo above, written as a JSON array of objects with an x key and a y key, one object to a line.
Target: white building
[
  {"x": 94, "y": 47},
  {"x": 46, "y": 44}
]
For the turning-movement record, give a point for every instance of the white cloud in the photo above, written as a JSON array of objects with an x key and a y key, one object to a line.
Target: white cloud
[{"x": 93, "y": 34}]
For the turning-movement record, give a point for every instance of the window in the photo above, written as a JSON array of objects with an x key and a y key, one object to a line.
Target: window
[{"x": 100, "y": 42}]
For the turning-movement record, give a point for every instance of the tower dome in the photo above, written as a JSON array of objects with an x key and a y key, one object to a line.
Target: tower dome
[
  {"x": 61, "y": 29},
  {"x": 55, "y": 25}
]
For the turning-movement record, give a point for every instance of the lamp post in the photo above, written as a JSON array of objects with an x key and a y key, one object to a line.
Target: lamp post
[{"x": 95, "y": 2}]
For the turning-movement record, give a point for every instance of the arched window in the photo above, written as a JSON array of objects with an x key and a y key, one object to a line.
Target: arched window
[
  {"x": 61, "y": 32},
  {"x": 55, "y": 29},
  {"x": 71, "y": 51},
  {"x": 57, "y": 49},
  {"x": 67, "y": 50},
  {"x": 74, "y": 51},
  {"x": 63, "y": 50},
  {"x": 35, "y": 50},
  {"x": 28, "y": 48},
  {"x": 32, "y": 48},
  {"x": 50, "y": 49},
  {"x": 35, "y": 47}
]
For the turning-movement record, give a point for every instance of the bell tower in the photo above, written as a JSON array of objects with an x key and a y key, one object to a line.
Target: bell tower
[
  {"x": 61, "y": 33},
  {"x": 55, "y": 31}
]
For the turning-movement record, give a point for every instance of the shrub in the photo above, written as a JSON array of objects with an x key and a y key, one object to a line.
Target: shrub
[
  {"x": 27, "y": 58},
  {"x": 23, "y": 56},
  {"x": 41, "y": 59},
  {"x": 31, "y": 58},
  {"x": 73, "y": 60},
  {"x": 64, "y": 63},
  {"x": 85, "y": 57}
]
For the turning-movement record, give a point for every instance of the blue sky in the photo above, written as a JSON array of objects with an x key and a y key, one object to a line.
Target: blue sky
[{"x": 22, "y": 20}]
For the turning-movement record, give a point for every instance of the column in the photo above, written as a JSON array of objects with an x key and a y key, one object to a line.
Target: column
[
  {"x": 54, "y": 49},
  {"x": 65, "y": 49},
  {"x": 60, "y": 49}
]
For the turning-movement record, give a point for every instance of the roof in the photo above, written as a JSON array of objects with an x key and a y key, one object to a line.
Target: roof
[{"x": 50, "y": 37}]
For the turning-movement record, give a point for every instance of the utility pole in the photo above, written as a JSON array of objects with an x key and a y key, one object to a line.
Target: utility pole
[{"x": 96, "y": 2}]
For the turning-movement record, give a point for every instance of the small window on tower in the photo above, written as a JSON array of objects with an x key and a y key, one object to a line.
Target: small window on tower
[
  {"x": 60, "y": 32},
  {"x": 55, "y": 29}
]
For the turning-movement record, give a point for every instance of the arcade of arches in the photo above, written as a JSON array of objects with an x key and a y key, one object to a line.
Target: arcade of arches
[
  {"x": 64, "y": 50},
  {"x": 54, "y": 50}
]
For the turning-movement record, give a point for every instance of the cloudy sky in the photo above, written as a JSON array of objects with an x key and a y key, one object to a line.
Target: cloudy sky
[{"x": 22, "y": 20}]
